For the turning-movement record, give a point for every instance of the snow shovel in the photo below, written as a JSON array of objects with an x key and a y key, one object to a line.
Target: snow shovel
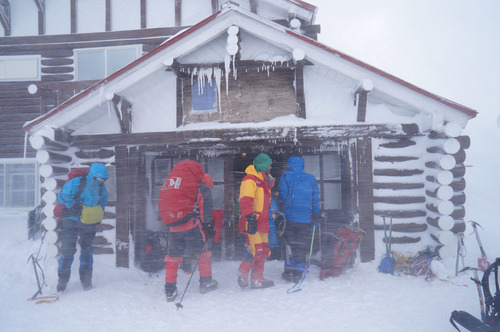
[{"x": 387, "y": 264}]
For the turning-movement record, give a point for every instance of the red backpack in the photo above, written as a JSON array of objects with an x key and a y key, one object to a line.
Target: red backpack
[
  {"x": 77, "y": 172},
  {"x": 179, "y": 192},
  {"x": 339, "y": 252}
]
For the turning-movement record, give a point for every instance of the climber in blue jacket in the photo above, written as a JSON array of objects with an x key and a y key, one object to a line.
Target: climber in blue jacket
[{"x": 299, "y": 194}]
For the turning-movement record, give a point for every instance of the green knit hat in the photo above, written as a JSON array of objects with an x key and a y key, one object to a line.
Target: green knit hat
[{"x": 262, "y": 162}]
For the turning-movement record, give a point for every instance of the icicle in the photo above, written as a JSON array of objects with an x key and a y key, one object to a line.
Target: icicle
[
  {"x": 235, "y": 72},
  {"x": 217, "y": 76},
  {"x": 295, "y": 140},
  {"x": 109, "y": 110},
  {"x": 201, "y": 81},
  {"x": 227, "y": 68},
  {"x": 25, "y": 144}
]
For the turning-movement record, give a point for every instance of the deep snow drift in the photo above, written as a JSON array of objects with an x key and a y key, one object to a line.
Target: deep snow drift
[{"x": 132, "y": 300}]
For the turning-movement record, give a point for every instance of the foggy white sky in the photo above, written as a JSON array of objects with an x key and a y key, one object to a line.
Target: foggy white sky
[{"x": 447, "y": 47}]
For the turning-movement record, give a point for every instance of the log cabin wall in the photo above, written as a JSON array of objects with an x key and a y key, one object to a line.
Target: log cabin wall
[
  {"x": 399, "y": 190},
  {"x": 57, "y": 78},
  {"x": 419, "y": 183}
]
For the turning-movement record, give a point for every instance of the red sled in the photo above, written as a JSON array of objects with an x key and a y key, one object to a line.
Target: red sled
[{"x": 338, "y": 252}]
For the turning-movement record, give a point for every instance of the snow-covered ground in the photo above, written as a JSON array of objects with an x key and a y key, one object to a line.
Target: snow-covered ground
[{"x": 132, "y": 300}]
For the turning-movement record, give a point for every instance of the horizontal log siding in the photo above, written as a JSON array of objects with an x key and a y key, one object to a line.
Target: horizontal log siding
[
  {"x": 399, "y": 190},
  {"x": 17, "y": 106}
]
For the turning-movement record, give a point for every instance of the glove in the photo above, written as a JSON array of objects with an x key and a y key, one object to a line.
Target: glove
[
  {"x": 251, "y": 224},
  {"x": 209, "y": 229}
]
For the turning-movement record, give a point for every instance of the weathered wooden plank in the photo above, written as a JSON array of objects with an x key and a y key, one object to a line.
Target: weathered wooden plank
[
  {"x": 57, "y": 62},
  {"x": 395, "y": 159},
  {"x": 57, "y": 77},
  {"x": 405, "y": 228},
  {"x": 460, "y": 156},
  {"x": 20, "y": 102},
  {"x": 57, "y": 70},
  {"x": 101, "y": 240},
  {"x": 122, "y": 207},
  {"x": 299, "y": 88},
  {"x": 458, "y": 199},
  {"x": 98, "y": 250},
  {"x": 402, "y": 239},
  {"x": 464, "y": 141},
  {"x": 458, "y": 185},
  {"x": 95, "y": 154},
  {"x": 397, "y": 172},
  {"x": 104, "y": 227},
  {"x": 252, "y": 135},
  {"x": 398, "y": 185},
  {"x": 399, "y": 199},
  {"x": 402, "y": 214},
  {"x": 402, "y": 143},
  {"x": 458, "y": 171}
]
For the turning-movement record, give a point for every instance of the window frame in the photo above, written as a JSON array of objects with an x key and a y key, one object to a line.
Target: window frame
[
  {"x": 35, "y": 57},
  {"x": 36, "y": 189},
  {"x": 138, "y": 49}
]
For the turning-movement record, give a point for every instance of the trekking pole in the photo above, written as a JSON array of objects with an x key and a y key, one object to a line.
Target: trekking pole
[
  {"x": 178, "y": 304},
  {"x": 296, "y": 287}
]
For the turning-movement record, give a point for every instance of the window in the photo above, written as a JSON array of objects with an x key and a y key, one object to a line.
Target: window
[
  {"x": 98, "y": 63},
  {"x": 326, "y": 169},
  {"x": 20, "y": 68},
  {"x": 204, "y": 96},
  {"x": 17, "y": 185}
]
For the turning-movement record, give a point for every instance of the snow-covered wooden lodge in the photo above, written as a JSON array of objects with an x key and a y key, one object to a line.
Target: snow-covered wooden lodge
[{"x": 251, "y": 77}]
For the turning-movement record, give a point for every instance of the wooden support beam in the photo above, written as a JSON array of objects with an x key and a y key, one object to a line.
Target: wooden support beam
[
  {"x": 178, "y": 13},
  {"x": 299, "y": 88},
  {"x": 214, "y": 6},
  {"x": 144, "y": 22},
  {"x": 122, "y": 207},
  {"x": 253, "y": 6},
  {"x": 40, "y": 4},
  {"x": 73, "y": 16},
  {"x": 180, "y": 111},
  {"x": 365, "y": 192},
  {"x": 108, "y": 15},
  {"x": 5, "y": 17}
]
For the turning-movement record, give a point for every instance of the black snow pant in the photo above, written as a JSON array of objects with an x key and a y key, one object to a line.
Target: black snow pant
[
  {"x": 297, "y": 236},
  {"x": 70, "y": 232}
]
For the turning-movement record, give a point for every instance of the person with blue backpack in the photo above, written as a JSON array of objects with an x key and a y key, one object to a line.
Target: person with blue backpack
[
  {"x": 84, "y": 199},
  {"x": 299, "y": 194}
]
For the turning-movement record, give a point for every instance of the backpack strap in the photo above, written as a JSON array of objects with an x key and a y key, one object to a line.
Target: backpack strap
[{"x": 81, "y": 186}]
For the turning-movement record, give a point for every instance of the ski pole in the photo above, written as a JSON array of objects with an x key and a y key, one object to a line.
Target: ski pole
[
  {"x": 178, "y": 304},
  {"x": 297, "y": 285}
]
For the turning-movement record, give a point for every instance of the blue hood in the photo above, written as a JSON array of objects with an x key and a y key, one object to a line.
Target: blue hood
[
  {"x": 295, "y": 164},
  {"x": 98, "y": 170}
]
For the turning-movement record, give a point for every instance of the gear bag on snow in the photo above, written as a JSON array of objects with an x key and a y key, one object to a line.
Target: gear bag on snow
[
  {"x": 77, "y": 172},
  {"x": 491, "y": 316},
  {"x": 178, "y": 194},
  {"x": 152, "y": 250},
  {"x": 338, "y": 252}
]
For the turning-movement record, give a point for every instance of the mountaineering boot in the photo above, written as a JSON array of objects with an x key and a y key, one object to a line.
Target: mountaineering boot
[
  {"x": 287, "y": 276},
  {"x": 86, "y": 278},
  {"x": 264, "y": 283},
  {"x": 61, "y": 286},
  {"x": 242, "y": 281},
  {"x": 206, "y": 287},
  {"x": 186, "y": 265},
  {"x": 170, "y": 291}
]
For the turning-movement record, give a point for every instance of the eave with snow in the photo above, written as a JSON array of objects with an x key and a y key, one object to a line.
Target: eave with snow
[{"x": 400, "y": 147}]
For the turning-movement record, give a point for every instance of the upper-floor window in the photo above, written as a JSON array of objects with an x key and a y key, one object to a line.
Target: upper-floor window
[
  {"x": 204, "y": 96},
  {"x": 20, "y": 68},
  {"x": 98, "y": 63}
]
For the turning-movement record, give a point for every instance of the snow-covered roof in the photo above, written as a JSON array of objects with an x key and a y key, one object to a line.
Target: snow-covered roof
[{"x": 186, "y": 42}]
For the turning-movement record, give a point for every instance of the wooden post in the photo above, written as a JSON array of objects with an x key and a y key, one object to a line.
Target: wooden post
[
  {"x": 299, "y": 87},
  {"x": 143, "y": 14},
  {"x": 122, "y": 207},
  {"x": 137, "y": 196},
  {"x": 229, "y": 228},
  {"x": 178, "y": 12},
  {"x": 365, "y": 196},
  {"x": 179, "y": 102}
]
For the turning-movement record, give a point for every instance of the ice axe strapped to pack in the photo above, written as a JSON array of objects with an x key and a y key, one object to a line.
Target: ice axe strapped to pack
[{"x": 490, "y": 318}]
